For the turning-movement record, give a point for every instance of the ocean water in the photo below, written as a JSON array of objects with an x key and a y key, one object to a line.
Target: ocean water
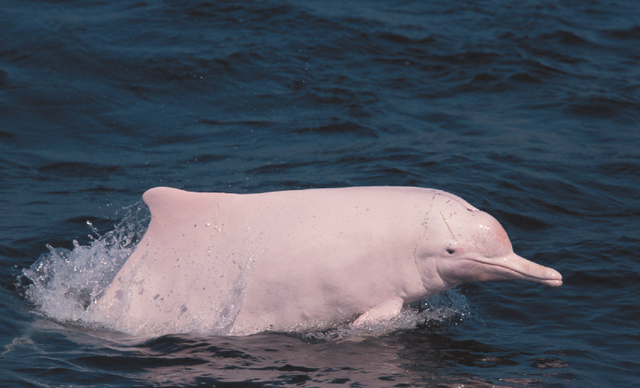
[{"x": 529, "y": 110}]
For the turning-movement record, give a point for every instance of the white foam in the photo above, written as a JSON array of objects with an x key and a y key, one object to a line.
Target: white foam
[
  {"x": 449, "y": 306},
  {"x": 65, "y": 282}
]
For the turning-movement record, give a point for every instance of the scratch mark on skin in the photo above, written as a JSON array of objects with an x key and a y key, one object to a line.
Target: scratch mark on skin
[
  {"x": 425, "y": 227},
  {"x": 479, "y": 240},
  {"x": 476, "y": 241},
  {"x": 449, "y": 227}
]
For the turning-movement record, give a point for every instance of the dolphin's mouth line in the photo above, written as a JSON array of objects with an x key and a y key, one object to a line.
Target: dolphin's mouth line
[{"x": 509, "y": 269}]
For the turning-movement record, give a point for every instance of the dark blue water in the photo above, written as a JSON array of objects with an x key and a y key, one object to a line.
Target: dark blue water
[{"x": 529, "y": 110}]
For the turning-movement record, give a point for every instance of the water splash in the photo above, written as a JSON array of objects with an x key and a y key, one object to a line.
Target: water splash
[
  {"x": 448, "y": 307},
  {"x": 64, "y": 283}
]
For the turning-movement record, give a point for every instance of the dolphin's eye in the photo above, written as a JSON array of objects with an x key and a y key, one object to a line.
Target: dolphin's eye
[{"x": 451, "y": 251}]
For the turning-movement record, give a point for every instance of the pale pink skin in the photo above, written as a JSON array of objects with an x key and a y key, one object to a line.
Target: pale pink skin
[{"x": 238, "y": 264}]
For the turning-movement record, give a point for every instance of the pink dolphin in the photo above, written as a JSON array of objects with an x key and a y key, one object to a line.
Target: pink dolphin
[{"x": 237, "y": 264}]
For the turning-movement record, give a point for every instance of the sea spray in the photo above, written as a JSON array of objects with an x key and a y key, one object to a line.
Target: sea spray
[{"x": 63, "y": 283}]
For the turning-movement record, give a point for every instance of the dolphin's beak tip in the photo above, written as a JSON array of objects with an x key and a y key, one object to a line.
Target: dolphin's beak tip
[{"x": 555, "y": 278}]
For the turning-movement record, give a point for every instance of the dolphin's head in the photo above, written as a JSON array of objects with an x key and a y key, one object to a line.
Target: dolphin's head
[{"x": 472, "y": 246}]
